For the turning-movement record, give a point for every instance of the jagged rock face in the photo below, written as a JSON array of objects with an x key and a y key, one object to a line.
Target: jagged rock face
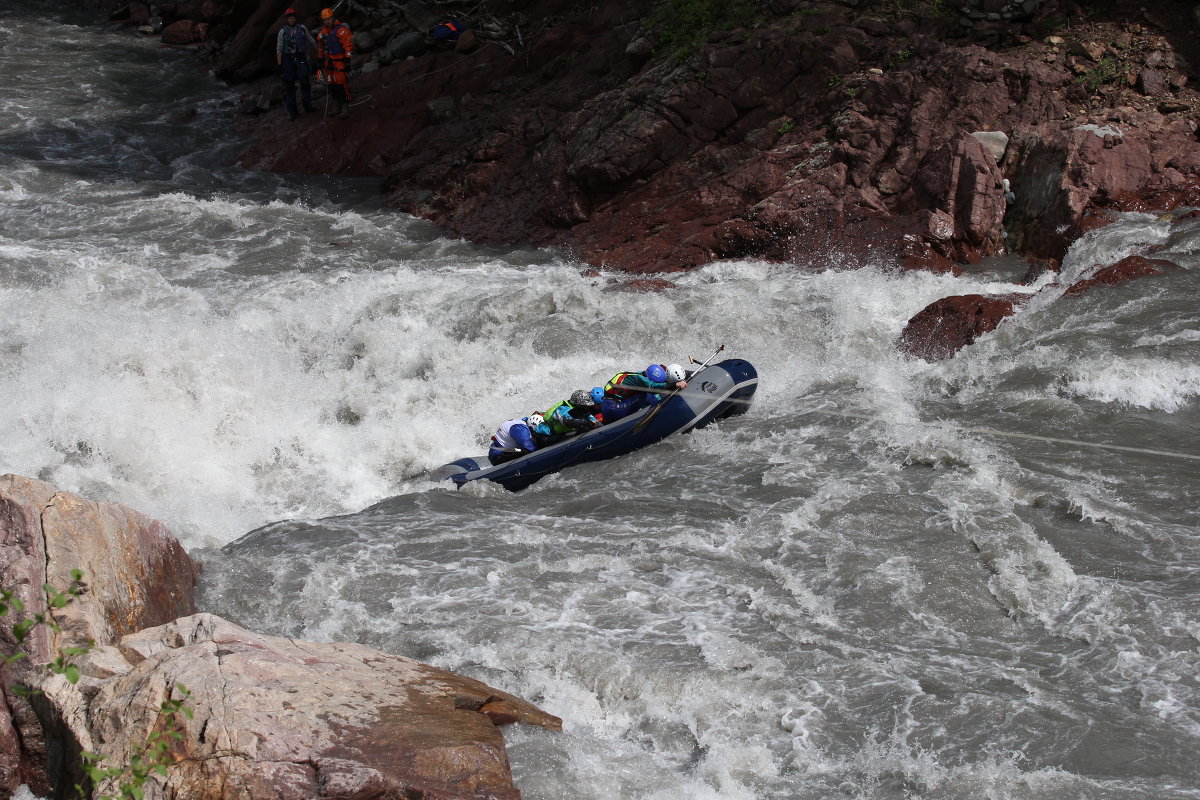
[
  {"x": 137, "y": 575},
  {"x": 825, "y": 130},
  {"x": 1064, "y": 173}
]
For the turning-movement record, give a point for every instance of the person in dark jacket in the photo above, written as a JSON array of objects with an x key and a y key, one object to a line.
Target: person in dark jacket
[
  {"x": 627, "y": 392},
  {"x": 292, "y": 46},
  {"x": 574, "y": 415}
]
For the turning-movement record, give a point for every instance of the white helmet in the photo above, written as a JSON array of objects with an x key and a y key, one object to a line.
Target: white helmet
[
  {"x": 675, "y": 373},
  {"x": 535, "y": 419}
]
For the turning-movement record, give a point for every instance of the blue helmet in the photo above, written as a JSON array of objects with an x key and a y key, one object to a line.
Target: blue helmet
[
  {"x": 656, "y": 373},
  {"x": 597, "y": 394}
]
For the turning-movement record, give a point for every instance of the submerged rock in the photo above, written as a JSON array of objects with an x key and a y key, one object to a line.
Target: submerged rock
[{"x": 1124, "y": 270}]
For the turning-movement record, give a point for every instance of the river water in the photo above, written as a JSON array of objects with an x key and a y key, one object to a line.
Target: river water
[{"x": 866, "y": 587}]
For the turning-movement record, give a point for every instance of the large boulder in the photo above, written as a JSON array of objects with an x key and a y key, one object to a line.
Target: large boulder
[
  {"x": 274, "y": 717},
  {"x": 271, "y": 717},
  {"x": 947, "y": 325},
  {"x": 137, "y": 575}
]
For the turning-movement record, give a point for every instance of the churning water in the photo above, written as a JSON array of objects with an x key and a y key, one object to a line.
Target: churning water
[{"x": 860, "y": 589}]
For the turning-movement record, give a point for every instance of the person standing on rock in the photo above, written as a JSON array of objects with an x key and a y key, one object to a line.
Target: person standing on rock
[
  {"x": 291, "y": 54},
  {"x": 334, "y": 48}
]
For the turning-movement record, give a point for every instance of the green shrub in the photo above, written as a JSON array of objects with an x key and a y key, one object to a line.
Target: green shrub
[
  {"x": 681, "y": 25},
  {"x": 1107, "y": 70}
]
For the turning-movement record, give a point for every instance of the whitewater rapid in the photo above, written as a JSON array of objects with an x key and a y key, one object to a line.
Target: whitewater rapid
[{"x": 863, "y": 588}]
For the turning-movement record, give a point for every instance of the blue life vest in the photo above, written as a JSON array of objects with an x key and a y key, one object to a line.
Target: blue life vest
[
  {"x": 333, "y": 46},
  {"x": 295, "y": 41}
]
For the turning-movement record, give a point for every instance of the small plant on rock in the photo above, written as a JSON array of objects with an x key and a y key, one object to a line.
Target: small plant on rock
[
  {"x": 55, "y": 600},
  {"x": 1107, "y": 70},
  {"x": 153, "y": 756}
]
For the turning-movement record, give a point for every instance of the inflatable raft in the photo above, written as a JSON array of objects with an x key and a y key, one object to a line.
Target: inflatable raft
[{"x": 714, "y": 392}]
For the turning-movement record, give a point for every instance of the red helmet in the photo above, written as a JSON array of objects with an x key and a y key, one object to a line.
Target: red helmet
[{"x": 291, "y": 12}]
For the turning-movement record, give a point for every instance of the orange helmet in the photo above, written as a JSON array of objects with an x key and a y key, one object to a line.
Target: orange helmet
[{"x": 326, "y": 13}]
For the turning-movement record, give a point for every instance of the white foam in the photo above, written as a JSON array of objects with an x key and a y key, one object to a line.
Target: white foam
[{"x": 1144, "y": 382}]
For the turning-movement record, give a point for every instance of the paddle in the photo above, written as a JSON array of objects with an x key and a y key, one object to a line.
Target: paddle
[{"x": 644, "y": 421}]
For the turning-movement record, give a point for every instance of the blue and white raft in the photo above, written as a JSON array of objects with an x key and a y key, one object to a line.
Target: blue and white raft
[{"x": 714, "y": 392}]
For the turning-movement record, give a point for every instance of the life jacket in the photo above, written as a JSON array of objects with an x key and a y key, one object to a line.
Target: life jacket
[
  {"x": 614, "y": 388},
  {"x": 295, "y": 41},
  {"x": 447, "y": 31},
  {"x": 333, "y": 45},
  {"x": 553, "y": 419},
  {"x": 503, "y": 438}
]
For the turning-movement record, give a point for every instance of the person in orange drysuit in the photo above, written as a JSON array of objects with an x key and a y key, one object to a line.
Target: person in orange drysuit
[{"x": 334, "y": 48}]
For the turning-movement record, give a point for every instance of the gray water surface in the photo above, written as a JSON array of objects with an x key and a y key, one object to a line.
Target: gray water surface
[{"x": 851, "y": 591}]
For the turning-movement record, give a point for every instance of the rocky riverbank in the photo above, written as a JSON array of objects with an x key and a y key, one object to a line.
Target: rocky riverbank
[
  {"x": 270, "y": 717},
  {"x": 641, "y": 137}
]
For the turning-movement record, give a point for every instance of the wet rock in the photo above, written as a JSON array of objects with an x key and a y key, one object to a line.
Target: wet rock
[
  {"x": 1124, "y": 270},
  {"x": 947, "y": 325},
  {"x": 643, "y": 285},
  {"x": 1059, "y": 175},
  {"x": 139, "y": 14},
  {"x": 772, "y": 142}
]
